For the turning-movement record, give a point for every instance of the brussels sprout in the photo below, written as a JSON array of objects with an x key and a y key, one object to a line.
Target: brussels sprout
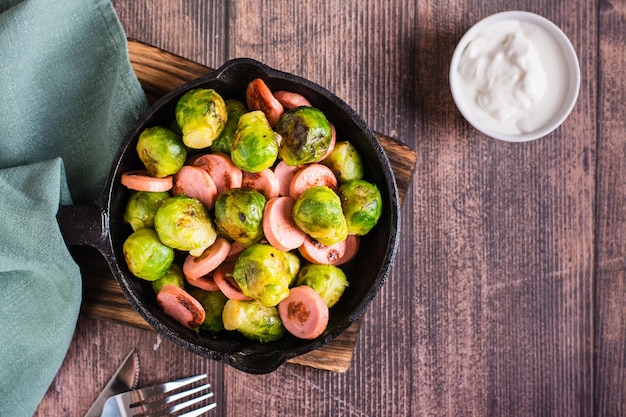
[
  {"x": 146, "y": 256},
  {"x": 255, "y": 146},
  {"x": 161, "y": 151},
  {"x": 183, "y": 223},
  {"x": 141, "y": 208},
  {"x": 201, "y": 114},
  {"x": 224, "y": 142},
  {"x": 173, "y": 276},
  {"x": 362, "y": 205},
  {"x": 305, "y": 134},
  {"x": 239, "y": 215},
  {"x": 253, "y": 320},
  {"x": 328, "y": 281},
  {"x": 294, "y": 266},
  {"x": 318, "y": 213},
  {"x": 213, "y": 303},
  {"x": 262, "y": 273},
  {"x": 345, "y": 162}
]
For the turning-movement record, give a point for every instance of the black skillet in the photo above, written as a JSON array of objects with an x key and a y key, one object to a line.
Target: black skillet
[{"x": 101, "y": 225}]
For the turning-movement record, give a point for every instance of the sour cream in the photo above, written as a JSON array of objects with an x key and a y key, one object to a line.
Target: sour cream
[{"x": 513, "y": 77}]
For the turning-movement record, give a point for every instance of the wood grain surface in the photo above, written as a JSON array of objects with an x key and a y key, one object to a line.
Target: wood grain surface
[{"x": 508, "y": 294}]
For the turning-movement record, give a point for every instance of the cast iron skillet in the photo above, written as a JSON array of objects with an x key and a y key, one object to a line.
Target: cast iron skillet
[{"x": 101, "y": 225}]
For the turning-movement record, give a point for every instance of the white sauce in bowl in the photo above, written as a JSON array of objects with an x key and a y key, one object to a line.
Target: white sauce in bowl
[{"x": 513, "y": 77}]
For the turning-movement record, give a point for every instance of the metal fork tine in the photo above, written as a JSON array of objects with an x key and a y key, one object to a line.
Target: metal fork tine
[
  {"x": 182, "y": 406},
  {"x": 147, "y": 393},
  {"x": 199, "y": 411}
]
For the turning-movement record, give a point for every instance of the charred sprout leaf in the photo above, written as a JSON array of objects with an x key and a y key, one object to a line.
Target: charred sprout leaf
[
  {"x": 161, "y": 151},
  {"x": 253, "y": 320},
  {"x": 318, "y": 213},
  {"x": 174, "y": 276},
  {"x": 305, "y": 134},
  {"x": 141, "y": 208},
  {"x": 183, "y": 223},
  {"x": 328, "y": 281},
  {"x": 201, "y": 114},
  {"x": 213, "y": 303},
  {"x": 239, "y": 215},
  {"x": 224, "y": 142},
  {"x": 345, "y": 162},
  {"x": 262, "y": 273},
  {"x": 255, "y": 145},
  {"x": 362, "y": 206},
  {"x": 146, "y": 256}
]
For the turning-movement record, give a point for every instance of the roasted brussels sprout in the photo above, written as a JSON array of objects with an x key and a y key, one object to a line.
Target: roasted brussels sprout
[
  {"x": 305, "y": 135},
  {"x": 345, "y": 162},
  {"x": 239, "y": 215},
  {"x": 362, "y": 206},
  {"x": 253, "y": 320},
  {"x": 213, "y": 303},
  {"x": 318, "y": 213},
  {"x": 183, "y": 223},
  {"x": 262, "y": 273},
  {"x": 201, "y": 114},
  {"x": 224, "y": 142},
  {"x": 255, "y": 146},
  {"x": 174, "y": 276},
  {"x": 293, "y": 262},
  {"x": 328, "y": 281},
  {"x": 161, "y": 151},
  {"x": 146, "y": 256},
  {"x": 141, "y": 208}
]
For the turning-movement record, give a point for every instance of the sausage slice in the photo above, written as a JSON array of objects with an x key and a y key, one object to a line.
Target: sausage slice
[
  {"x": 304, "y": 313},
  {"x": 181, "y": 306}
]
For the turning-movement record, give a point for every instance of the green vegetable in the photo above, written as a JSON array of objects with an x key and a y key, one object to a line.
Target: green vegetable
[
  {"x": 239, "y": 215},
  {"x": 293, "y": 262},
  {"x": 183, "y": 223},
  {"x": 253, "y": 320},
  {"x": 318, "y": 213},
  {"x": 362, "y": 205},
  {"x": 305, "y": 134},
  {"x": 328, "y": 281},
  {"x": 213, "y": 303},
  {"x": 224, "y": 142},
  {"x": 255, "y": 146},
  {"x": 161, "y": 151},
  {"x": 173, "y": 276},
  {"x": 262, "y": 273},
  {"x": 141, "y": 208},
  {"x": 345, "y": 162},
  {"x": 146, "y": 256},
  {"x": 201, "y": 114}
]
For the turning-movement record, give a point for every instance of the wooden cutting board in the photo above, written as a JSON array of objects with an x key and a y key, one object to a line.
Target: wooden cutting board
[{"x": 159, "y": 72}]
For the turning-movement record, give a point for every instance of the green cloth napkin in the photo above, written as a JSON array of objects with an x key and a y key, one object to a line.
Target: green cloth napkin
[{"x": 68, "y": 95}]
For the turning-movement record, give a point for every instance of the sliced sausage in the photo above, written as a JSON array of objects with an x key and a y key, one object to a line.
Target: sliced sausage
[
  {"x": 223, "y": 277},
  {"x": 310, "y": 176},
  {"x": 235, "y": 249},
  {"x": 181, "y": 306},
  {"x": 278, "y": 225},
  {"x": 333, "y": 142},
  {"x": 195, "y": 182},
  {"x": 206, "y": 282},
  {"x": 285, "y": 174},
  {"x": 265, "y": 182},
  {"x": 195, "y": 267},
  {"x": 260, "y": 97},
  {"x": 352, "y": 244},
  {"x": 318, "y": 253},
  {"x": 291, "y": 100},
  {"x": 223, "y": 171},
  {"x": 304, "y": 313},
  {"x": 142, "y": 181}
]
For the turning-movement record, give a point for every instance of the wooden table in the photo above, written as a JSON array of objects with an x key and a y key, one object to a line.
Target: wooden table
[{"x": 507, "y": 297}]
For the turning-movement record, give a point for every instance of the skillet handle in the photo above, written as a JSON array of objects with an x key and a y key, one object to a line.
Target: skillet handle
[{"x": 83, "y": 225}]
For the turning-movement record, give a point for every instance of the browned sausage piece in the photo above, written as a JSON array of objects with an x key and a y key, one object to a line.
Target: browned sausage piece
[
  {"x": 317, "y": 253},
  {"x": 181, "y": 306},
  {"x": 265, "y": 182},
  {"x": 142, "y": 181},
  {"x": 195, "y": 182},
  {"x": 195, "y": 267},
  {"x": 223, "y": 171},
  {"x": 223, "y": 277},
  {"x": 260, "y": 97},
  {"x": 304, "y": 313},
  {"x": 285, "y": 174},
  {"x": 291, "y": 100},
  {"x": 352, "y": 243},
  {"x": 278, "y": 225},
  {"x": 310, "y": 176}
]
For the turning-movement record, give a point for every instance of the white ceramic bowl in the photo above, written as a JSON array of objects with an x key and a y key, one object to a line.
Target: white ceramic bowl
[{"x": 570, "y": 72}]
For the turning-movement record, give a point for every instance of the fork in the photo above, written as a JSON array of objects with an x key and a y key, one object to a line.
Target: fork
[{"x": 154, "y": 402}]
